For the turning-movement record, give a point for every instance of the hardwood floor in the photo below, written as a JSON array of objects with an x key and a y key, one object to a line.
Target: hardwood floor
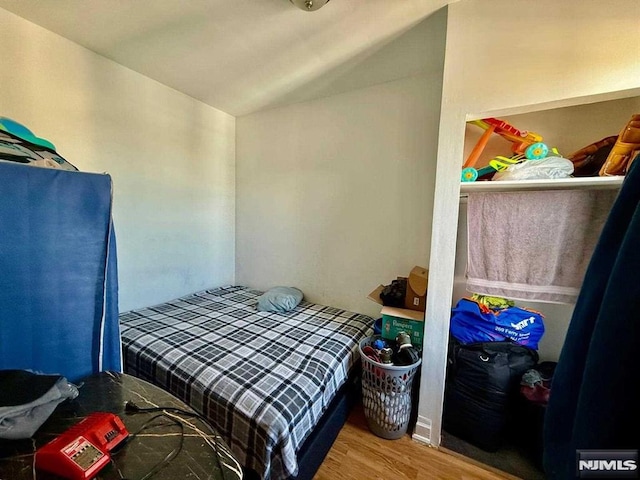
[{"x": 359, "y": 454}]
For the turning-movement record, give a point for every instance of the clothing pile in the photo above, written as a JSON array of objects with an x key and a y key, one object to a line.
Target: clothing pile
[{"x": 28, "y": 399}]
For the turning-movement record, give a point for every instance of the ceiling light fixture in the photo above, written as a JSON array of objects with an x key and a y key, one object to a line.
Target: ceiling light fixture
[{"x": 309, "y": 5}]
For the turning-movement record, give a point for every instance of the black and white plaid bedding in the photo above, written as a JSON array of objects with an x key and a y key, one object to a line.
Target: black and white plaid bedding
[{"x": 263, "y": 379}]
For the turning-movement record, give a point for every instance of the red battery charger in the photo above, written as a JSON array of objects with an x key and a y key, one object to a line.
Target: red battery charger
[{"x": 83, "y": 450}]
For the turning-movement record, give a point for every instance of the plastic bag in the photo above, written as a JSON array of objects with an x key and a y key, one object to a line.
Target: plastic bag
[
  {"x": 547, "y": 168},
  {"x": 472, "y": 322}
]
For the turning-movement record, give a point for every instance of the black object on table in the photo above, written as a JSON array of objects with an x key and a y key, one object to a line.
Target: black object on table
[{"x": 204, "y": 454}]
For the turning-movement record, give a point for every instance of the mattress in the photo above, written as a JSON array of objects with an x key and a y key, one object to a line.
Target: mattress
[{"x": 263, "y": 379}]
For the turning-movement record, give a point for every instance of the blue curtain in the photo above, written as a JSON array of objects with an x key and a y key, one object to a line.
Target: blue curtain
[
  {"x": 58, "y": 272},
  {"x": 594, "y": 404}
]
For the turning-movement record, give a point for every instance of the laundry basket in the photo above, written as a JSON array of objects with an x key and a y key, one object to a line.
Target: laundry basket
[{"x": 386, "y": 394}]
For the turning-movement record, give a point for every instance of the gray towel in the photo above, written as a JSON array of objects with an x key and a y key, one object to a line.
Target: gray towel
[{"x": 533, "y": 245}]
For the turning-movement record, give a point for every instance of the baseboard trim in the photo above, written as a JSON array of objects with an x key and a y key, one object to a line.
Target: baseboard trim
[{"x": 422, "y": 431}]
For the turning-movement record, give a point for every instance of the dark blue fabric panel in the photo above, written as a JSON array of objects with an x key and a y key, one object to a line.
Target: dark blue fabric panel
[
  {"x": 55, "y": 227},
  {"x": 593, "y": 404}
]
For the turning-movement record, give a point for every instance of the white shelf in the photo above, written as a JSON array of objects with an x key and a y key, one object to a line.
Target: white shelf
[{"x": 598, "y": 183}]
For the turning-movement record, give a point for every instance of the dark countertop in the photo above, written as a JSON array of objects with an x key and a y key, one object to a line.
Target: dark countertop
[{"x": 204, "y": 454}]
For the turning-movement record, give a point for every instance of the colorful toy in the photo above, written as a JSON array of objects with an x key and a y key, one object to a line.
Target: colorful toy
[
  {"x": 24, "y": 133},
  {"x": 524, "y": 145},
  {"x": 470, "y": 174},
  {"x": 497, "y": 164}
]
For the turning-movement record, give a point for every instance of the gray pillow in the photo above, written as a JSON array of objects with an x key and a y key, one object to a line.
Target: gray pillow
[{"x": 279, "y": 299}]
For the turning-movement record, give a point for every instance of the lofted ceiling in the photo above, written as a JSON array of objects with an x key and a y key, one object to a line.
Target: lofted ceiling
[{"x": 241, "y": 56}]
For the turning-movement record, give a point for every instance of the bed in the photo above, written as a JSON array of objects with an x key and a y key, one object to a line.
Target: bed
[{"x": 271, "y": 383}]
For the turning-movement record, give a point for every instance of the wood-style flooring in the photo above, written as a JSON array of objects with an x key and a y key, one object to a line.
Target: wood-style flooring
[{"x": 358, "y": 454}]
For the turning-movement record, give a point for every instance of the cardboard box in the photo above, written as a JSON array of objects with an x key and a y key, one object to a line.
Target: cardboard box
[
  {"x": 416, "y": 296},
  {"x": 396, "y": 320}
]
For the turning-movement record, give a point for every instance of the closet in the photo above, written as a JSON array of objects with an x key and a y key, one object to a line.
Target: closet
[
  {"x": 568, "y": 129},
  {"x": 505, "y": 59}
]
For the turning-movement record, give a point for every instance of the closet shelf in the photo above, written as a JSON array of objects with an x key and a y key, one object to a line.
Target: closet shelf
[{"x": 573, "y": 183}]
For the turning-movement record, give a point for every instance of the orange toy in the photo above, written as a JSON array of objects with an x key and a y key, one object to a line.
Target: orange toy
[{"x": 521, "y": 140}]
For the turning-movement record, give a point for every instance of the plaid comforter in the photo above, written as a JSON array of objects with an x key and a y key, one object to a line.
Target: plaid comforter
[{"x": 263, "y": 379}]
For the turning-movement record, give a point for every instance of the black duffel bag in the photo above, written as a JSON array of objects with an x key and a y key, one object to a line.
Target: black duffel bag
[{"x": 481, "y": 388}]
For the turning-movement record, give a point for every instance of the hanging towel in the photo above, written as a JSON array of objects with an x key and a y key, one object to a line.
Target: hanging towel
[
  {"x": 533, "y": 246},
  {"x": 58, "y": 278}
]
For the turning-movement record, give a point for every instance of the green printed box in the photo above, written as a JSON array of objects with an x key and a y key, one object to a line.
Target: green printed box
[{"x": 396, "y": 320}]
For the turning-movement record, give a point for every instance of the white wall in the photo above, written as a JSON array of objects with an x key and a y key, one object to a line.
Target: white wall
[
  {"x": 172, "y": 158},
  {"x": 509, "y": 57},
  {"x": 335, "y": 195}
]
